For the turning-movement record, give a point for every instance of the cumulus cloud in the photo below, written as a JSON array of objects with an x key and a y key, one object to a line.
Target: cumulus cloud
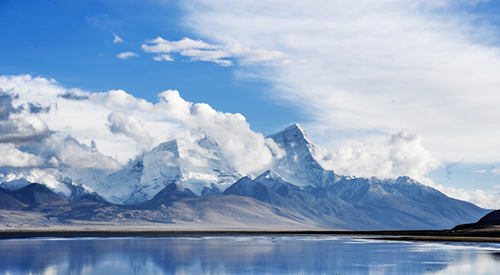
[
  {"x": 21, "y": 128},
  {"x": 198, "y": 50},
  {"x": 73, "y": 96},
  {"x": 119, "y": 123},
  {"x": 117, "y": 39},
  {"x": 13, "y": 157},
  {"x": 69, "y": 152},
  {"x": 107, "y": 129},
  {"x": 125, "y": 55},
  {"x": 245, "y": 149},
  {"x": 20, "y": 125},
  {"x": 5, "y": 106},
  {"x": 409, "y": 157},
  {"x": 402, "y": 154}
]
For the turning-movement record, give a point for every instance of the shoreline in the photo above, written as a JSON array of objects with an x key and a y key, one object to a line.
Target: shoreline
[{"x": 400, "y": 235}]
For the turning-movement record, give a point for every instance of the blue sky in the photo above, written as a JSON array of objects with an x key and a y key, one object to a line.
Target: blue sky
[
  {"x": 394, "y": 67},
  {"x": 72, "y": 42}
]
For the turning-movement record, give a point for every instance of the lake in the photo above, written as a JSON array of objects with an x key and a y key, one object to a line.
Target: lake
[{"x": 244, "y": 255}]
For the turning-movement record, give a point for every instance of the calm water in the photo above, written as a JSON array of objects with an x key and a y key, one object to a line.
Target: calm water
[{"x": 244, "y": 255}]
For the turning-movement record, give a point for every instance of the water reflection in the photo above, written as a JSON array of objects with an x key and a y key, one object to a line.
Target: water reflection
[{"x": 242, "y": 255}]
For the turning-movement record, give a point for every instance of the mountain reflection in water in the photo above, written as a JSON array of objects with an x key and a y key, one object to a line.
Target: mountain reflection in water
[{"x": 243, "y": 255}]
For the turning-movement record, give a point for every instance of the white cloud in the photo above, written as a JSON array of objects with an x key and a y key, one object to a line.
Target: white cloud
[
  {"x": 373, "y": 67},
  {"x": 131, "y": 127},
  {"x": 493, "y": 170},
  {"x": 163, "y": 57},
  {"x": 69, "y": 152},
  {"x": 20, "y": 128},
  {"x": 402, "y": 154},
  {"x": 246, "y": 150},
  {"x": 103, "y": 129},
  {"x": 19, "y": 124},
  {"x": 198, "y": 50},
  {"x": 485, "y": 199},
  {"x": 125, "y": 55},
  {"x": 13, "y": 157},
  {"x": 117, "y": 39},
  {"x": 160, "y": 45}
]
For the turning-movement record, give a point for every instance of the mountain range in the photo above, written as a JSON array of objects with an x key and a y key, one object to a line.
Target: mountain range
[{"x": 190, "y": 182}]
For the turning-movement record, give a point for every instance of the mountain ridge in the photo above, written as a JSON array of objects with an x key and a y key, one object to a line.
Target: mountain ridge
[{"x": 182, "y": 174}]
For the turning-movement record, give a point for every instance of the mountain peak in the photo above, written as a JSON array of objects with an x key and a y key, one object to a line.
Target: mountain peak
[
  {"x": 299, "y": 165},
  {"x": 38, "y": 194},
  {"x": 269, "y": 174},
  {"x": 294, "y": 131},
  {"x": 295, "y": 127},
  {"x": 171, "y": 146}
]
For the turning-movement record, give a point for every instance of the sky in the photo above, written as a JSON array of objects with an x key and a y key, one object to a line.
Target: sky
[{"x": 388, "y": 87}]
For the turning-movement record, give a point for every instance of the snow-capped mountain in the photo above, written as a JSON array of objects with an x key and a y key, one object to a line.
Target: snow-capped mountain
[
  {"x": 197, "y": 166},
  {"x": 295, "y": 187},
  {"x": 299, "y": 166}
]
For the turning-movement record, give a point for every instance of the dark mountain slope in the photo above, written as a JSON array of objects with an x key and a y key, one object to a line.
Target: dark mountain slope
[
  {"x": 38, "y": 195},
  {"x": 7, "y": 201},
  {"x": 492, "y": 218},
  {"x": 490, "y": 221}
]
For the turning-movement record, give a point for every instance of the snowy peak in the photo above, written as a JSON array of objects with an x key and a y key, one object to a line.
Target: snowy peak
[
  {"x": 269, "y": 175},
  {"x": 292, "y": 136},
  {"x": 299, "y": 166},
  {"x": 406, "y": 180},
  {"x": 295, "y": 185},
  {"x": 170, "y": 146},
  {"x": 295, "y": 128},
  {"x": 296, "y": 144},
  {"x": 272, "y": 179},
  {"x": 198, "y": 165}
]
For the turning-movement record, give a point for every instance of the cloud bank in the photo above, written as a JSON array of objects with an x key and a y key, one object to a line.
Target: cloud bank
[
  {"x": 48, "y": 127},
  {"x": 104, "y": 130},
  {"x": 401, "y": 154}
]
